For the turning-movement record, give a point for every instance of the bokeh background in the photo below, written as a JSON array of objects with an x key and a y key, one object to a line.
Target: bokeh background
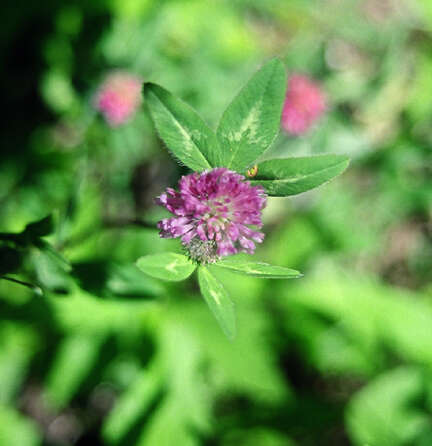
[{"x": 93, "y": 352}]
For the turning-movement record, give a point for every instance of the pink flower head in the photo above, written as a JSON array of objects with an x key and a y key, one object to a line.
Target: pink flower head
[
  {"x": 213, "y": 214},
  {"x": 119, "y": 97},
  {"x": 304, "y": 103}
]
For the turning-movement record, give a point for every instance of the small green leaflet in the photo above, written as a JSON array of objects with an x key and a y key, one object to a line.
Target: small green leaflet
[
  {"x": 166, "y": 266},
  {"x": 259, "y": 269},
  {"x": 218, "y": 300},
  {"x": 183, "y": 131},
  {"x": 251, "y": 122},
  {"x": 291, "y": 176}
]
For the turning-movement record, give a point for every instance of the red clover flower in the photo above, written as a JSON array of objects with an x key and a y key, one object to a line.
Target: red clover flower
[
  {"x": 213, "y": 214},
  {"x": 305, "y": 102},
  {"x": 216, "y": 211},
  {"x": 119, "y": 97}
]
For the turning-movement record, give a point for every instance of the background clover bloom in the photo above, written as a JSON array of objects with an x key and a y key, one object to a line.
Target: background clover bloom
[
  {"x": 119, "y": 97},
  {"x": 305, "y": 102},
  {"x": 213, "y": 214}
]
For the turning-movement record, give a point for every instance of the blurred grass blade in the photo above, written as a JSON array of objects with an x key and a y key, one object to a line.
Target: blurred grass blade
[
  {"x": 50, "y": 271},
  {"x": 183, "y": 131},
  {"x": 259, "y": 269},
  {"x": 34, "y": 288},
  {"x": 291, "y": 176},
  {"x": 54, "y": 255},
  {"x": 17, "y": 349},
  {"x": 16, "y": 429},
  {"x": 384, "y": 411},
  {"x": 218, "y": 300},
  {"x": 167, "y": 423},
  {"x": 251, "y": 122},
  {"x": 166, "y": 266},
  {"x": 76, "y": 357},
  {"x": 182, "y": 409},
  {"x": 131, "y": 405}
]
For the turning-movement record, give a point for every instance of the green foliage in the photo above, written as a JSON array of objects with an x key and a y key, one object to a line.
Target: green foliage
[
  {"x": 259, "y": 269},
  {"x": 32, "y": 232},
  {"x": 50, "y": 268},
  {"x": 176, "y": 267},
  {"x": 251, "y": 122},
  {"x": 218, "y": 301},
  {"x": 135, "y": 401},
  {"x": 17, "y": 348},
  {"x": 40, "y": 228},
  {"x": 166, "y": 266},
  {"x": 110, "y": 355},
  {"x": 247, "y": 128},
  {"x": 185, "y": 407},
  {"x": 74, "y": 359},
  {"x": 16, "y": 429},
  {"x": 385, "y": 412},
  {"x": 292, "y": 176},
  {"x": 183, "y": 131},
  {"x": 10, "y": 259}
]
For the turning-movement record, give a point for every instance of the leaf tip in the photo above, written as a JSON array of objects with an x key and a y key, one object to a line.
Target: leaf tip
[
  {"x": 231, "y": 336},
  {"x": 148, "y": 87}
]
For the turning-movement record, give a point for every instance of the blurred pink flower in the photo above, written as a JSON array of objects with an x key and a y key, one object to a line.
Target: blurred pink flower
[
  {"x": 118, "y": 97},
  {"x": 304, "y": 103}
]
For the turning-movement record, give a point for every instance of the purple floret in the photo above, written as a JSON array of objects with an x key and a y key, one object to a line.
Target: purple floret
[{"x": 216, "y": 213}]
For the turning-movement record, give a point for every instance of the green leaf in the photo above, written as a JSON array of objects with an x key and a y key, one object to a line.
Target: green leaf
[
  {"x": 251, "y": 122},
  {"x": 183, "y": 410},
  {"x": 51, "y": 269},
  {"x": 35, "y": 288},
  {"x": 291, "y": 176},
  {"x": 40, "y": 228},
  {"x": 16, "y": 429},
  {"x": 218, "y": 300},
  {"x": 166, "y": 266},
  {"x": 128, "y": 281},
  {"x": 31, "y": 233},
  {"x": 131, "y": 404},
  {"x": 76, "y": 357},
  {"x": 17, "y": 349},
  {"x": 259, "y": 269},
  {"x": 183, "y": 131},
  {"x": 387, "y": 410},
  {"x": 10, "y": 260},
  {"x": 54, "y": 255}
]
